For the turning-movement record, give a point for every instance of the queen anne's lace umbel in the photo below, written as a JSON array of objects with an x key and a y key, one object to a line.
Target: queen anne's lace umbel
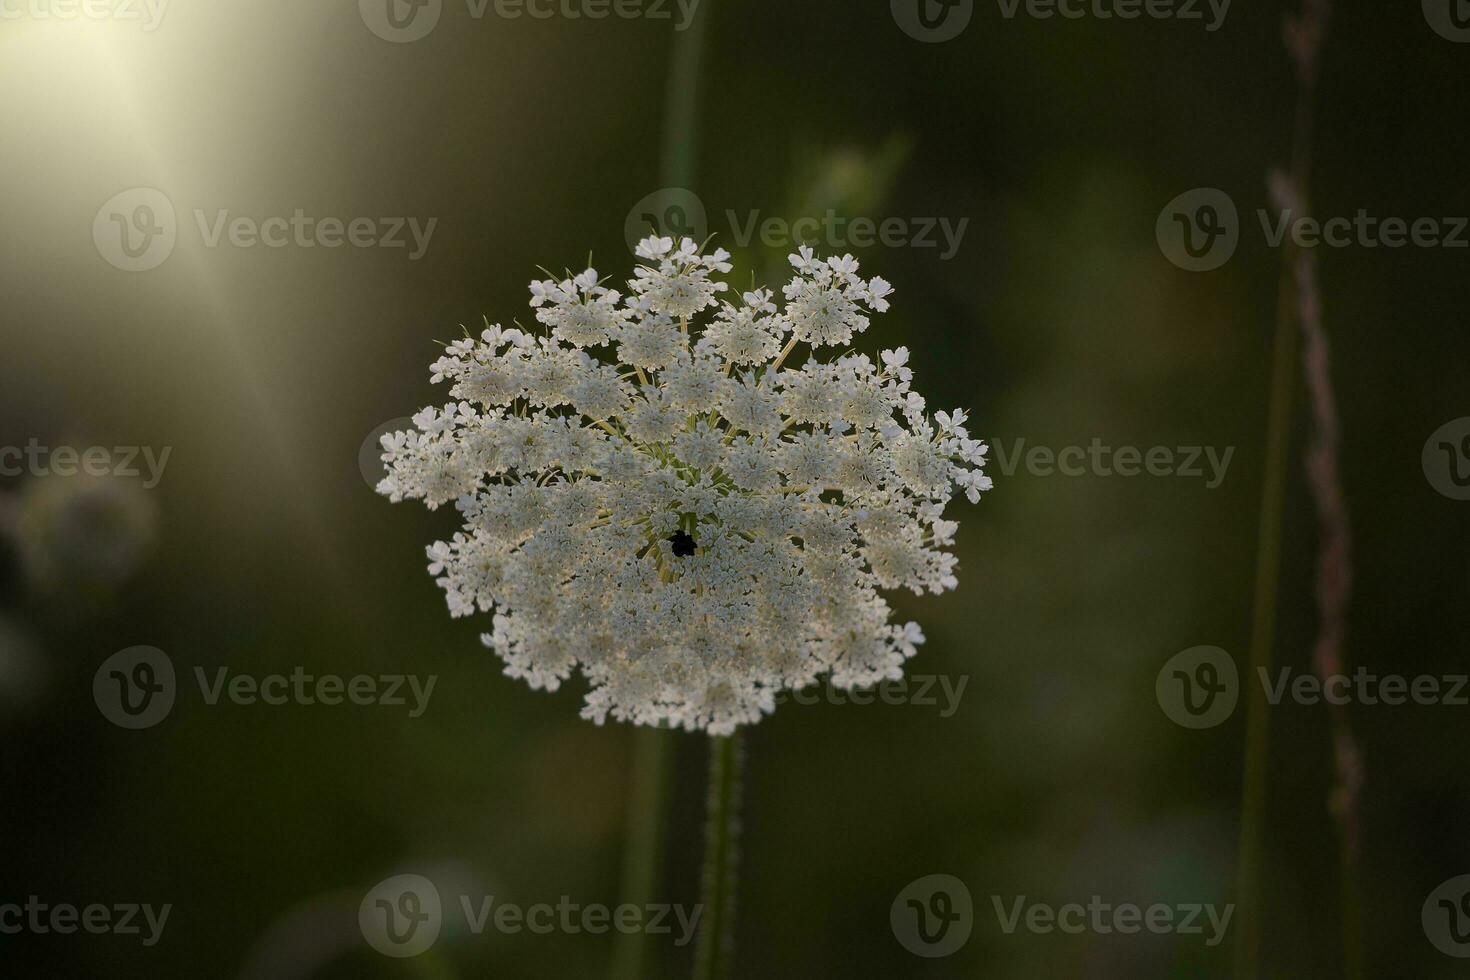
[{"x": 696, "y": 526}]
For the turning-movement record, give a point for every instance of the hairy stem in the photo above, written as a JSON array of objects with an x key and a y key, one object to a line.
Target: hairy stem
[{"x": 715, "y": 953}]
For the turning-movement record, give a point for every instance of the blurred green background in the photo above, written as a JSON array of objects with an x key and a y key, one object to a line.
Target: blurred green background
[{"x": 1058, "y": 321}]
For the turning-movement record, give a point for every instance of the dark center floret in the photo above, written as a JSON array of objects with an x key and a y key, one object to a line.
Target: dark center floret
[{"x": 683, "y": 544}]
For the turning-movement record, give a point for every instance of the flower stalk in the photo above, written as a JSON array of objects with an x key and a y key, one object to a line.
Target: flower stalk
[
  {"x": 646, "y": 822},
  {"x": 714, "y": 954}
]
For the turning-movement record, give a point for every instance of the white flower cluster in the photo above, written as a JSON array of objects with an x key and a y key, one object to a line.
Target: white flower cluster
[{"x": 696, "y": 526}]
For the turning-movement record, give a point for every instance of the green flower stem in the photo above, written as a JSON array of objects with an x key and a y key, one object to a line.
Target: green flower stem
[
  {"x": 681, "y": 103},
  {"x": 643, "y": 854},
  {"x": 1306, "y": 34},
  {"x": 644, "y": 850},
  {"x": 715, "y": 952},
  {"x": 1268, "y": 584}
]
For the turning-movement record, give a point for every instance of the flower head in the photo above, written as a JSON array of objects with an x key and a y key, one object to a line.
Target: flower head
[{"x": 697, "y": 525}]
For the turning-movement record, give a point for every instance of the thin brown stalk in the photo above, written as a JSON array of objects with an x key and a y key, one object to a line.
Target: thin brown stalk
[
  {"x": 1334, "y": 571},
  {"x": 1299, "y": 311}
]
